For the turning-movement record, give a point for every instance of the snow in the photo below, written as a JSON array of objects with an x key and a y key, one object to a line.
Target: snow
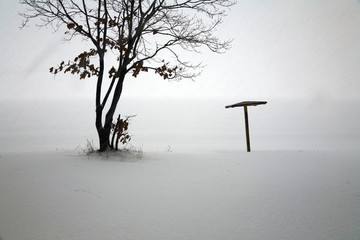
[
  {"x": 301, "y": 181},
  {"x": 224, "y": 195}
]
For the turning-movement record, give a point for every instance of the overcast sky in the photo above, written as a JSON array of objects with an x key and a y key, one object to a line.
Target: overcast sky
[{"x": 281, "y": 49}]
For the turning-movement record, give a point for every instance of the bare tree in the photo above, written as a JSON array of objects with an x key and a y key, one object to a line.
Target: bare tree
[{"x": 140, "y": 34}]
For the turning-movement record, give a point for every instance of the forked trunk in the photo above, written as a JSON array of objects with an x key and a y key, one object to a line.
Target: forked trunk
[{"x": 104, "y": 131}]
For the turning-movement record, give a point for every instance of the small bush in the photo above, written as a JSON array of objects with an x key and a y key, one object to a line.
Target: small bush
[{"x": 120, "y": 132}]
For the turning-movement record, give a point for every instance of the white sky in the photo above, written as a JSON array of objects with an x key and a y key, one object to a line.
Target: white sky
[{"x": 281, "y": 49}]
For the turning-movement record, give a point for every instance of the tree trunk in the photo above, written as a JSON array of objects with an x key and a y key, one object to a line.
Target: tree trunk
[
  {"x": 104, "y": 131},
  {"x": 104, "y": 136},
  {"x": 115, "y": 132}
]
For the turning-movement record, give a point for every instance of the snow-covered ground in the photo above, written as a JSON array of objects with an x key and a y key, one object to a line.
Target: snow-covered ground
[
  {"x": 193, "y": 179},
  {"x": 228, "y": 195}
]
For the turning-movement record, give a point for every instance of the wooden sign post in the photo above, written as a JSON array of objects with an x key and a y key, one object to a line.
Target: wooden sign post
[{"x": 245, "y": 104}]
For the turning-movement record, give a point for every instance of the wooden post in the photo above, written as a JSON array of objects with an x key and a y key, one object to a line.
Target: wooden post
[
  {"x": 245, "y": 104},
  {"x": 247, "y": 129}
]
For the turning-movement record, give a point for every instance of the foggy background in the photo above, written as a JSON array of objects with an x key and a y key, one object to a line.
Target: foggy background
[{"x": 302, "y": 57}]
